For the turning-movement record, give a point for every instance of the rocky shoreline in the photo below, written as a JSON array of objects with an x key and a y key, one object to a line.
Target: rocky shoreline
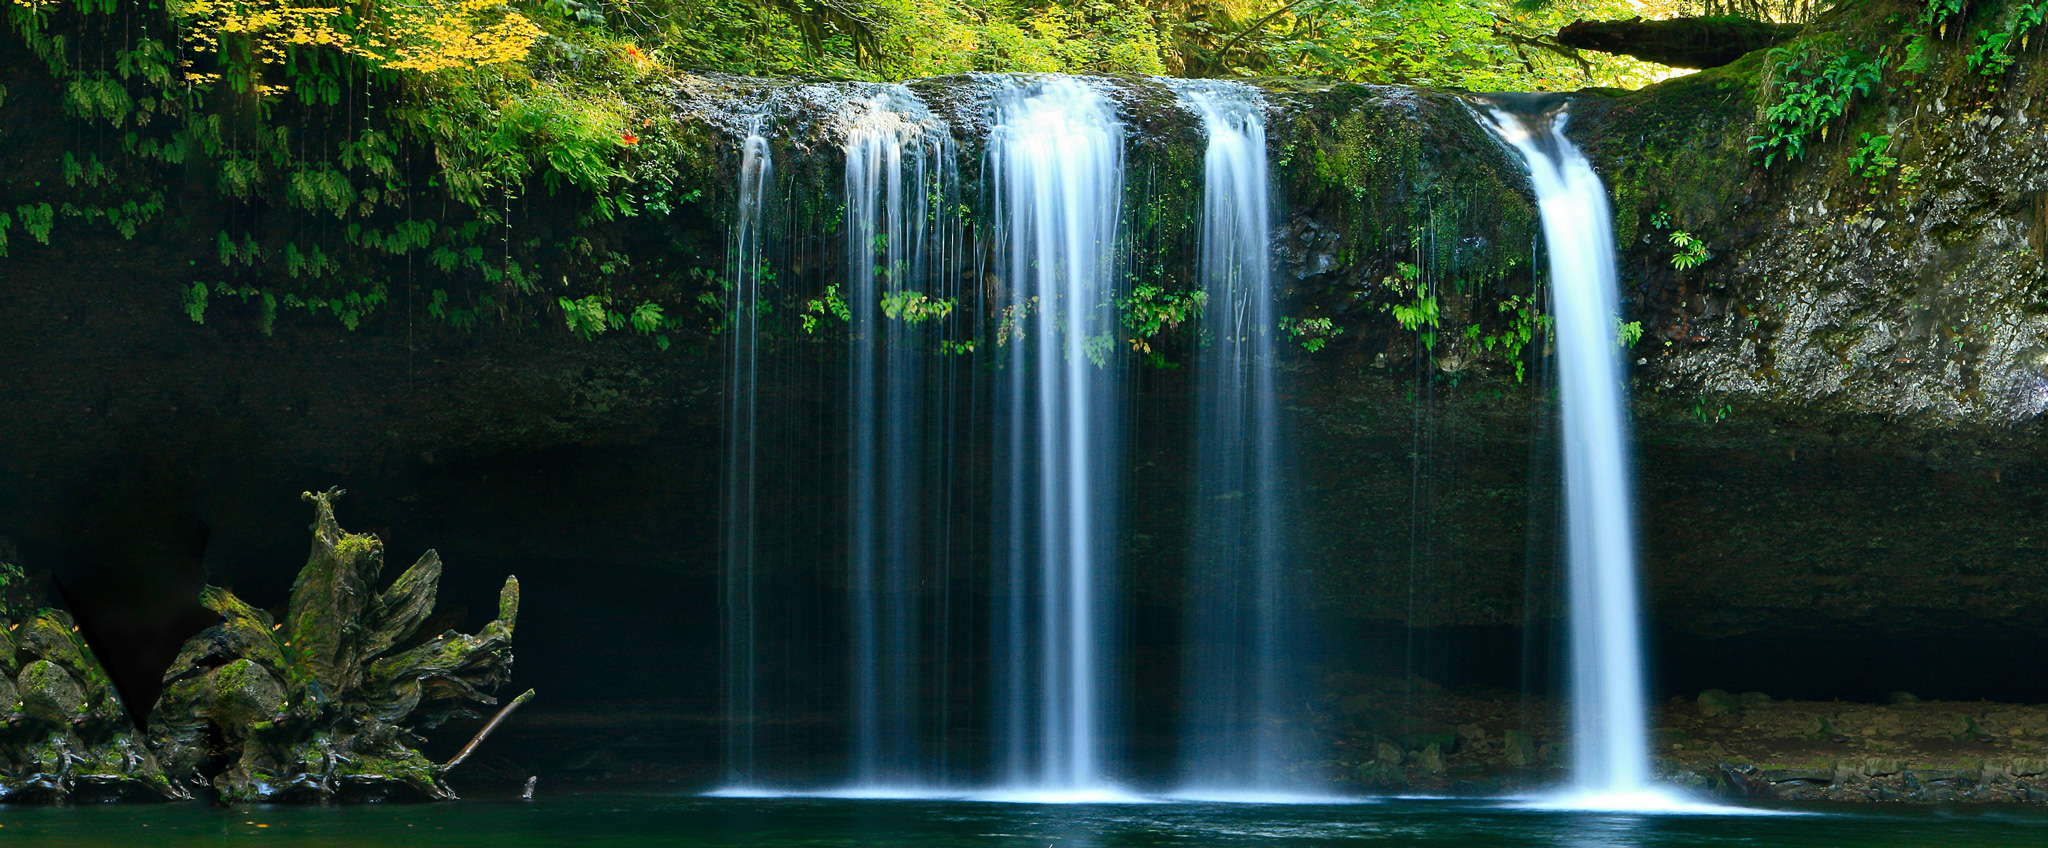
[{"x": 1738, "y": 746}]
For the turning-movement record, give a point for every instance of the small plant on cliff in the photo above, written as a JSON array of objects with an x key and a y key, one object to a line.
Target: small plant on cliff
[
  {"x": 1692, "y": 251},
  {"x": 1417, "y": 311},
  {"x": 915, "y": 308},
  {"x": 1993, "y": 53},
  {"x": 1524, "y": 323},
  {"x": 1871, "y": 160},
  {"x": 1710, "y": 414},
  {"x": 1150, "y": 310},
  {"x": 1813, "y": 91},
  {"x": 829, "y": 304},
  {"x": 1627, "y": 333},
  {"x": 1313, "y": 333}
]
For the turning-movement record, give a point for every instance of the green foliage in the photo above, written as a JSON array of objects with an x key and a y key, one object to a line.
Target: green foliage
[
  {"x": 1710, "y": 414},
  {"x": 591, "y": 316},
  {"x": 194, "y": 300},
  {"x": 586, "y": 316},
  {"x": 830, "y": 304},
  {"x": 1870, "y": 160},
  {"x": 1627, "y": 333},
  {"x": 1813, "y": 91},
  {"x": 1479, "y": 44},
  {"x": 1313, "y": 333},
  {"x": 479, "y": 165},
  {"x": 1416, "y": 310},
  {"x": 17, "y": 600},
  {"x": 1992, "y": 55},
  {"x": 1524, "y": 322},
  {"x": 1487, "y": 45},
  {"x": 1150, "y": 310},
  {"x": 915, "y": 308},
  {"x": 1097, "y": 349},
  {"x": 345, "y": 120},
  {"x": 1931, "y": 24},
  {"x": 37, "y": 220},
  {"x": 348, "y": 307},
  {"x": 1692, "y": 252}
]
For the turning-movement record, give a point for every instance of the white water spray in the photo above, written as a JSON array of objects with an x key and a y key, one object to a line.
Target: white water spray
[
  {"x": 900, "y": 247},
  {"x": 1240, "y": 682},
  {"x": 1610, "y": 737},
  {"x": 743, "y": 361},
  {"x": 1056, "y": 165}
]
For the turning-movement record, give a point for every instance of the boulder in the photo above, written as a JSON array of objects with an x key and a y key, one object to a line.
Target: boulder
[
  {"x": 1715, "y": 702},
  {"x": 1430, "y": 760},
  {"x": 1518, "y": 749}
]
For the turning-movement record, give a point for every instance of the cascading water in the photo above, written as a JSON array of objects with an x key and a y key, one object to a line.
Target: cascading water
[
  {"x": 902, "y": 243},
  {"x": 1610, "y": 712},
  {"x": 1239, "y": 680},
  {"x": 1056, "y": 165},
  {"x": 743, "y": 360}
]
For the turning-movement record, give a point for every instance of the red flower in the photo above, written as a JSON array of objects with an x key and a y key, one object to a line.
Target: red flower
[{"x": 630, "y": 138}]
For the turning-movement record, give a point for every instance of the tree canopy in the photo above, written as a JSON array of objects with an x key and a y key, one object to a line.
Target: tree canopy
[{"x": 1476, "y": 44}]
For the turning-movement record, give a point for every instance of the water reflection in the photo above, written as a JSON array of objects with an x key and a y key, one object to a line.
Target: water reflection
[
  {"x": 670, "y": 821},
  {"x": 1613, "y": 831}
]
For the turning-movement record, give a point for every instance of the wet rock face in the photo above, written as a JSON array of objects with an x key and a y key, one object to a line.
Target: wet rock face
[
  {"x": 1839, "y": 292},
  {"x": 1922, "y": 307}
]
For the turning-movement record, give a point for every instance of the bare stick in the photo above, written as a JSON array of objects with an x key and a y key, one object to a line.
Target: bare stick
[{"x": 493, "y": 725}]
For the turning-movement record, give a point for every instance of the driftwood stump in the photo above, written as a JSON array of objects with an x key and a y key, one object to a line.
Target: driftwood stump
[{"x": 325, "y": 704}]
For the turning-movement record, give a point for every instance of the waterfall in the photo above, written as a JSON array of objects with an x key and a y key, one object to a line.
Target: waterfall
[
  {"x": 743, "y": 359},
  {"x": 1239, "y": 685},
  {"x": 1056, "y": 166},
  {"x": 1610, "y": 712},
  {"x": 901, "y": 239}
]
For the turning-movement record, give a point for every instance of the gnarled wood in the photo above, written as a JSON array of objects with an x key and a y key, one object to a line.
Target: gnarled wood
[{"x": 323, "y": 706}]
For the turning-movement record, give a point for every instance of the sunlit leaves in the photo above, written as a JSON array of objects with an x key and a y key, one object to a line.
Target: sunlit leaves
[{"x": 415, "y": 35}]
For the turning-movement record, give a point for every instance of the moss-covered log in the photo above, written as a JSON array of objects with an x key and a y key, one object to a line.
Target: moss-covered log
[
  {"x": 1678, "y": 42},
  {"x": 323, "y": 705}
]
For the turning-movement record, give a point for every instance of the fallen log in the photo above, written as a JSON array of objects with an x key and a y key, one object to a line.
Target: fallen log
[{"x": 1679, "y": 42}]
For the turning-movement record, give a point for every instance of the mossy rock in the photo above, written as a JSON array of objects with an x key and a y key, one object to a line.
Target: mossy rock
[
  {"x": 1381, "y": 776},
  {"x": 50, "y": 693},
  {"x": 1518, "y": 749},
  {"x": 1716, "y": 702}
]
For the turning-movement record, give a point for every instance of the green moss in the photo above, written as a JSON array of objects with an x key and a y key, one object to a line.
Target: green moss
[{"x": 355, "y": 545}]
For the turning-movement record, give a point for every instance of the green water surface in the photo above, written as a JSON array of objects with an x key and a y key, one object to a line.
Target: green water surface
[{"x": 631, "y": 821}]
